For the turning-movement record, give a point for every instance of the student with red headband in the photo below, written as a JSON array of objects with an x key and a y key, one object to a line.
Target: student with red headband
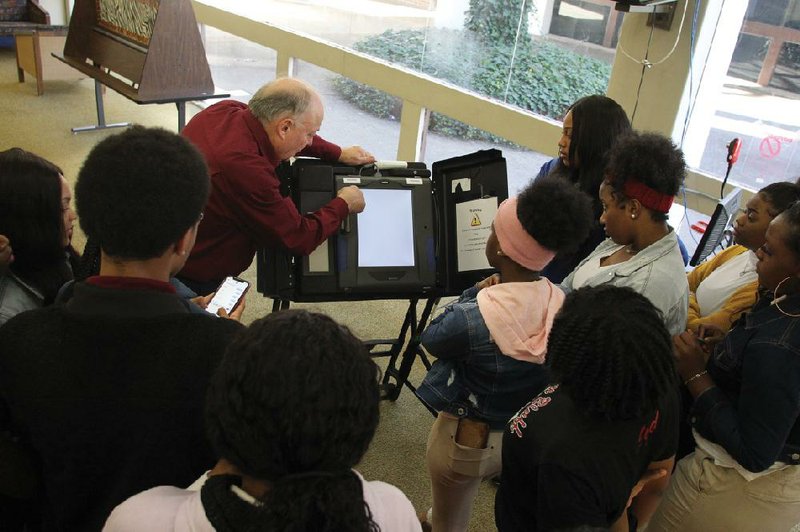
[
  {"x": 490, "y": 344},
  {"x": 644, "y": 172}
]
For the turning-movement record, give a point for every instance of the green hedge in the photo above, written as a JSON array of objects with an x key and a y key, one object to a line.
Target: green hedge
[{"x": 545, "y": 80}]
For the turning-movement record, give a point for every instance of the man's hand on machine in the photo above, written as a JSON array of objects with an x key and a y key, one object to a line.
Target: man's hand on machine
[
  {"x": 356, "y": 156},
  {"x": 354, "y": 198}
]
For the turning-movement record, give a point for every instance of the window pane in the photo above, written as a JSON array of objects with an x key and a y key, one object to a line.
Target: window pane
[
  {"x": 758, "y": 102},
  {"x": 238, "y": 66},
  {"x": 345, "y": 124},
  {"x": 594, "y": 21},
  {"x": 535, "y": 54},
  {"x": 522, "y": 164},
  {"x": 241, "y": 67}
]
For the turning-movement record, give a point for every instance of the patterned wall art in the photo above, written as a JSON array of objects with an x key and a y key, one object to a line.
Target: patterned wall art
[{"x": 131, "y": 19}]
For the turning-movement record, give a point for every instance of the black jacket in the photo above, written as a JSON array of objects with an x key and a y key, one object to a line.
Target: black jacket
[{"x": 108, "y": 391}]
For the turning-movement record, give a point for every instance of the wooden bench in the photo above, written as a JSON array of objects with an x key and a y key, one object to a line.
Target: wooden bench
[
  {"x": 154, "y": 56},
  {"x": 20, "y": 15},
  {"x": 34, "y": 39}
]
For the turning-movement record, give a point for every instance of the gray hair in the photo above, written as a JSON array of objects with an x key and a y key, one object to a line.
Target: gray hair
[{"x": 278, "y": 98}]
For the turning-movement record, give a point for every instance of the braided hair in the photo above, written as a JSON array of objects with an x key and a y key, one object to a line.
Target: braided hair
[
  {"x": 295, "y": 403},
  {"x": 611, "y": 352}
]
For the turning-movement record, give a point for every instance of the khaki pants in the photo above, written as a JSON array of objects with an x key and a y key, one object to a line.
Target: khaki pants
[
  {"x": 456, "y": 473},
  {"x": 703, "y": 496}
]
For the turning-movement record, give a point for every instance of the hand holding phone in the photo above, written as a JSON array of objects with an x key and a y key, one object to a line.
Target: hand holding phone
[
  {"x": 228, "y": 296},
  {"x": 709, "y": 336}
]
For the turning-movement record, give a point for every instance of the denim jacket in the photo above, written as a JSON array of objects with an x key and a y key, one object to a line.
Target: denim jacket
[
  {"x": 471, "y": 377},
  {"x": 752, "y": 411},
  {"x": 657, "y": 272}
]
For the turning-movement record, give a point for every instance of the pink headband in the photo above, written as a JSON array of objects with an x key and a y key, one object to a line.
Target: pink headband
[{"x": 515, "y": 242}]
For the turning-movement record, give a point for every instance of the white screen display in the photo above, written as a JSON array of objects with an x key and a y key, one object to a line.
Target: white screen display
[
  {"x": 386, "y": 229},
  {"x": 227, "y": 295}
]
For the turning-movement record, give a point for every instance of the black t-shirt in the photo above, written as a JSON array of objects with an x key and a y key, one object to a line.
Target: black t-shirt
[{"x": 563, "y": 469}]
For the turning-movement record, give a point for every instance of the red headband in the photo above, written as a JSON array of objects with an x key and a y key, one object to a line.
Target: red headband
[{"x": 652, "y": 199}]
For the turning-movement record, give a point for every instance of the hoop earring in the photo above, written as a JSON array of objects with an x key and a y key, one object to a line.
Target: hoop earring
[{"x": 776, "y": 302}]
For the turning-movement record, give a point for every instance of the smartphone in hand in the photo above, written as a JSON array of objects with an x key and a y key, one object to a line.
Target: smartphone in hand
[{"x": 229, "y": 295}]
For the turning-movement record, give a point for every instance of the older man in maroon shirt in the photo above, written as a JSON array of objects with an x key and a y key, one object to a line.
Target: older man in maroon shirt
[{"x": 243, "y": 144}]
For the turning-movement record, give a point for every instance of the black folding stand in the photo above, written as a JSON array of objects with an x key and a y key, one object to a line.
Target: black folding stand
[{"x": 395, "y": 378}]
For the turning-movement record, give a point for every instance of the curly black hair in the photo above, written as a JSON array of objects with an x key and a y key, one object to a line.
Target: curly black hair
[
  {"x": 555, "y": 213},
  {"x": 139, "y": 191},
  {"x": 31, "y": 217},
  {"x": 611, "y": 352},
  {"x": 295, "y": 403},
  {"x": 649, "y": 158},
  {"x": 780, "y": 195},
  {"x": 597, "y": 122}
]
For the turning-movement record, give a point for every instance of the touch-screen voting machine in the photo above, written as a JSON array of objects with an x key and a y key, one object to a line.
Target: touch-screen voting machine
[{"x": 417, "y": 237}]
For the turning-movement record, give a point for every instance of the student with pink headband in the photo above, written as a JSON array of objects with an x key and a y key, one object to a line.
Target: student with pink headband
[
  {"x": 490, "y": 344},
  {"x": 644, "y": 172}
]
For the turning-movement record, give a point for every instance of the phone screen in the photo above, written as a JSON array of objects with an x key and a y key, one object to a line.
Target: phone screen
[{"x": 228, "y": 295}]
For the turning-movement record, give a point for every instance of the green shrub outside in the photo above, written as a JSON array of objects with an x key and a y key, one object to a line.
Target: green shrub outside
[
  {"x": 546, "y": 79},
  {"x": 498, "y": 20}
]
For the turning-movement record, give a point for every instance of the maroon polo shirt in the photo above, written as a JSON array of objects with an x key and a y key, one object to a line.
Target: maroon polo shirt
[{"x": 245, "y": 210}]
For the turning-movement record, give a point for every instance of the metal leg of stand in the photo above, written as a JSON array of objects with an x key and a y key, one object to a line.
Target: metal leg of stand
[
  {"x": 101, "y": 114},
  {"x": 392, "y": 384},
  {"x": 280, "y": 304},
  {"x": 181, "y": 115},
  {"x": 410, "y": 353}
]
